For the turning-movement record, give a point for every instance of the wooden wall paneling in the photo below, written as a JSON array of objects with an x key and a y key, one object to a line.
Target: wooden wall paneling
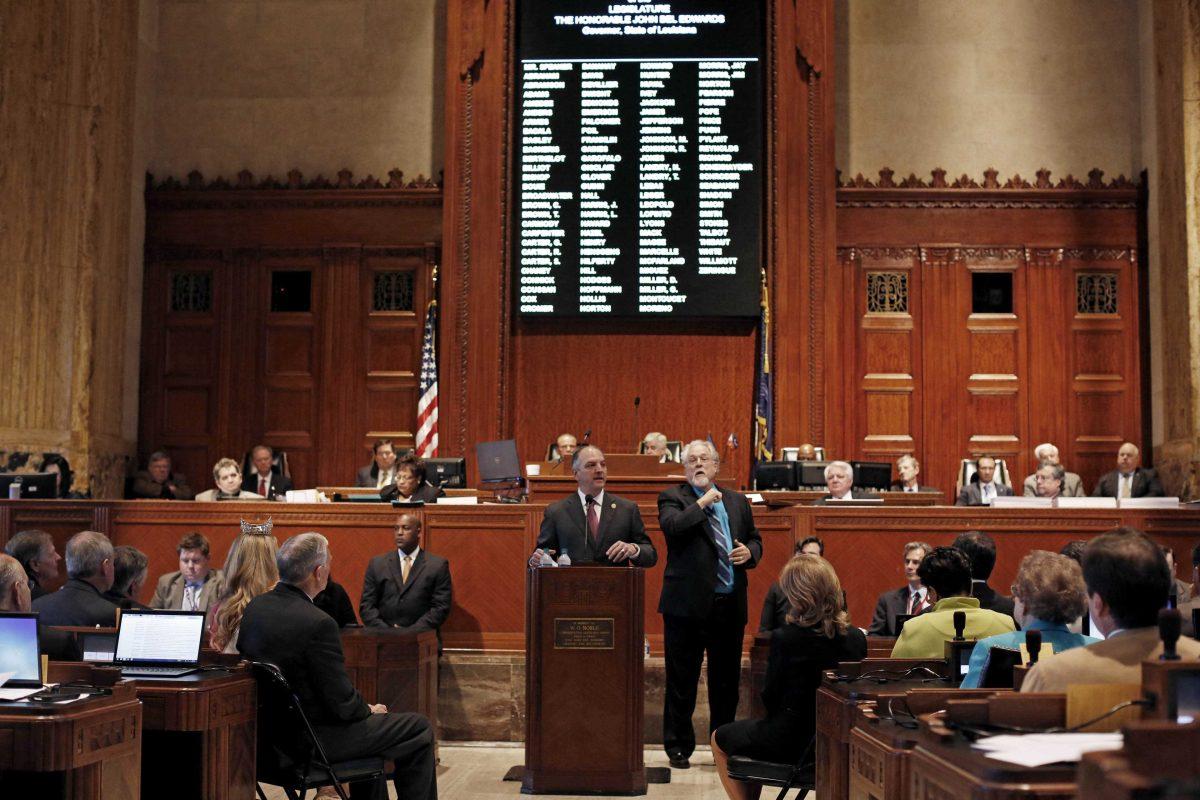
[
  {"x": 887, "y": 416},
  {"x": 945, "y": 303},
  {"x": 341, "y": 407},
  {"x": 994, "y": 346},
  {"x": 1105, "y": 370},
  {"x": 1050, "y": 310}
]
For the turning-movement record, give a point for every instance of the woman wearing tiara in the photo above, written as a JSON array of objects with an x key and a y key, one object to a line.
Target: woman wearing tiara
[{"x": 250, "y": 570}]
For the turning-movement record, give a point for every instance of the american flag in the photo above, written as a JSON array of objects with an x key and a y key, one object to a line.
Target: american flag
[{"x": 427, "y": 406}]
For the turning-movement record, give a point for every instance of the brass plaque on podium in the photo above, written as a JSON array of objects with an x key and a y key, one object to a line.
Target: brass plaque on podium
[{"x": 578, "y": 633}]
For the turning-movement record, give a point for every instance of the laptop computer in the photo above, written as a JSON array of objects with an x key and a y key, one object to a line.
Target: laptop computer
[
  {"x": 19, "y": 654},
  {"x": 159, "y": 644},
  {"x": 498, "y": 461}
]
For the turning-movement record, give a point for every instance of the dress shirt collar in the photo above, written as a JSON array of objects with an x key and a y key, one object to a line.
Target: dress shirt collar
[
  {"x": 416, "y": 552},
  {"x": 583, "y": 499}
]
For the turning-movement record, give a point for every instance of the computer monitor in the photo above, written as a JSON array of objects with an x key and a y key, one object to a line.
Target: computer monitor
[
  {"x": 34, "y": 485},
  {"x": 449, "y": 473},
  {"x": 775, "y": 475},
  {"x": 1183, "y": 695},
  {"x": 498, "y": 461},
  {"x": 19, "y": 649},
  {"x": 811, "y": 474},
  {"x": 872, "y": 474}
]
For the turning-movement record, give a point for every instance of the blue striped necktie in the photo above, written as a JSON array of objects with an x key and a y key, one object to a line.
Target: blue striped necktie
[{"x": 724, "y": 567}]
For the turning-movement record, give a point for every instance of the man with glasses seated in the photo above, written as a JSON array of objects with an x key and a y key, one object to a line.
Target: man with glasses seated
[{"x": 711, "y": 542}]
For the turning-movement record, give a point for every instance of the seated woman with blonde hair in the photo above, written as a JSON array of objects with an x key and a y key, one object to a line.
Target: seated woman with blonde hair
[
  {"x": 250, "y": 570},
  {"x": 816, "y": 637}
]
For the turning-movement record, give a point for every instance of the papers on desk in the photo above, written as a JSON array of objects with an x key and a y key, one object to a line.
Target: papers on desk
[
  {"x": 18, "y": 694},
  {"x": 1040, "y": 749}
]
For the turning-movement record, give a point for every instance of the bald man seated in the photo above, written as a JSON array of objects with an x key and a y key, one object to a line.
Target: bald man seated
[
  {"x": 1129, "y": 479},
  {"x": 1047, "y": 456}
]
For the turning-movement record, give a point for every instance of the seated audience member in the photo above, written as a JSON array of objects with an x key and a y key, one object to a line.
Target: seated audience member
[
  {"x": 57, "y": 465},
  {"x": 839, "y": 480},
  {"x": 1048, "y": 481},
  {"x": 980, "y": 550},
  {"x": 1185, "y": 609},
  {"x": 250, "y": 571},
  {"x": 158, "y": 482},
  {"x": 775, "y": 604},
  {"x": 335, "y": 602},
  {"x": 381, "y": 471},
  {"x": 129, "y": 575},
  {"x": 592, "y": 526},
  {"x": 1049, "y": 594},
  {"x": 14, "y": 596},
  {"x": 262, "y": 480},
  {"x": 655, "y": 444},
  {"x": 81, "y": 599},
  {"x": 35, "y": 551},
  {"x": 228, "y": 476},
  {"x": 983, "y": 491},
  {"x": 565, "y": 445},
  {"x": 1181, "y": 589},
  {"x": 410, "y": 485},
  {"x": 407, "y": 588},
  {"x": 196, "y": 585},
  {"x": 816, "y": 637},
  {"x": 806, "y": 452},
  {"x": 911, "y": 598},
  {"x": 1047, "y": 455},
  {"x": 1074, "y": 551},
  {"x": 1127, "y": 584},
  {"x": 284, "y": 628},
  {"x": 946, "y": 572},
  {"x": 908, "y": 468},
  {"x": 1129, "y": 479}
]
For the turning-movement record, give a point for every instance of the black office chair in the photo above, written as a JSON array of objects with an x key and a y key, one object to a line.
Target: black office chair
[
  {"x": 289, "y": 754},
  {"x": 769, "y": 773}
]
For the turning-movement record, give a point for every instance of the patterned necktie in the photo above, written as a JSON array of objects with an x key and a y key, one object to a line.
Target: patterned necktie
[
  {"x": 1126, "y": 486},
  {"x": 262, "y": 486},
  {"x": 593, "y": 520},
  {"x": 724, "y": 566},
  {"x": 190, "y": 597},
  {"x": 405, "y": 568},
  {"x": 914, "y": 602}
]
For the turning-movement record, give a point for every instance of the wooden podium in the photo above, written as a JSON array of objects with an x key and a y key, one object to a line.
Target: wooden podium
[{"x": 583, "y": 681}]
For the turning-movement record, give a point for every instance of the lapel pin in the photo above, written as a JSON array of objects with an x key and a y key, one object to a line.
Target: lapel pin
[{"x": 614, "y": 505}]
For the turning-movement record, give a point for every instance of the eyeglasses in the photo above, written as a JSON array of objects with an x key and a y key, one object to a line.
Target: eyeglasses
[{"x": 694, "y": 460}]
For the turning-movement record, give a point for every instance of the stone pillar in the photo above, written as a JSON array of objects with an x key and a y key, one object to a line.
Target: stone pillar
[
  {"x": 1171, "y": 152},
  {"x": 67, "y": 99}
]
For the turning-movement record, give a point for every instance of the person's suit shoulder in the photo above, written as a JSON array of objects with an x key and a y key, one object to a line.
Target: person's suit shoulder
[
  {"x": 165, "y": 581},
  {"x": 434, "y": 561}
]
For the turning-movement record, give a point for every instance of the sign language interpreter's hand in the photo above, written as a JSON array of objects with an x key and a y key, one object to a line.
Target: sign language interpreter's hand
[
  {"x": 740, "y": 554},
  {"x": 709, "y": 497}
]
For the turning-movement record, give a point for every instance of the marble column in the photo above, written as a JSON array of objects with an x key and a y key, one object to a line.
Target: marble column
[{"x": 67, "y": 100}]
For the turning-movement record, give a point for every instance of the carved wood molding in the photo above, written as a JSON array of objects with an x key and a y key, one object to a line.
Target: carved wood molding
[
  {"x": 966, "y": 192},
  {"x": 294, "y": 192},
  {"x": 1047, "y": 256}
]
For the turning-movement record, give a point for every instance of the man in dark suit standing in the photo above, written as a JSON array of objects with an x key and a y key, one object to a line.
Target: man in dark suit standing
[
  {"x": 911, "y": 598},
  {"x": 593, "y": 526},
  {"x": 283, "y": 627},
  {"x": 711, "y": 542},
  {"x": 1129, "y": 479},
  {"x": 408, "y": 588},
  {"x": 262, "y": 479},
  {"x": 81, "y": 601},
  {"x": 986, "y": 489},
  {"x": 980, "y": 550}
]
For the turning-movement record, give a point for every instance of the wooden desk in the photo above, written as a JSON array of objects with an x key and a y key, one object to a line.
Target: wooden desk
[
  {"x": 89, "y": 750},
  {"x": 397, "y": 669},
  {"x": 1156, "y": 752},
  {"x": 806, "y": 497},
  {"x": 199, "y": 735}
]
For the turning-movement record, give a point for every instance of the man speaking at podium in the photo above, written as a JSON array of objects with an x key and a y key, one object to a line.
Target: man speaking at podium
[
  {"x": 592, "y": 526},
  {"x": 711, "y": 542}
]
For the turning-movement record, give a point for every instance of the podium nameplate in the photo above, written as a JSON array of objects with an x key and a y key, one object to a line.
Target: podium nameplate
[{"x": 575, "y": 633}]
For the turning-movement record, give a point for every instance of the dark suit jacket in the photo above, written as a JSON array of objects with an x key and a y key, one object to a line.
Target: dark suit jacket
[
  {"x": 146, "y": 487},
  {"x": 774, "y": 610},
  {"x": 284, "y": 628},
  {"x": 1145, "y": 484},
  {"x": 883, "y": 623},
  {"x": 76, "y": 603},
  {"x": 421, "y": 604},
  {"x": 367, "y": 476},
  {"x": 898, "y": 486},
  {"x": 277, "y": 485},
  {"x": 855, "y": 494},
  {"x": 990, "y": 599},
  {"x": 334, "y": 601},
  {"x": 971, "y": 495},
  {"x": 425, "y": 493},
  {"x": 690, "y": 577},
  {"x": 124, "y": 602},
  {"x": 564, "y": 527}
]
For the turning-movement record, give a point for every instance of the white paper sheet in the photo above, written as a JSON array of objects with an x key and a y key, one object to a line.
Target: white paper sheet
[{"x": 1039, "y": 749}]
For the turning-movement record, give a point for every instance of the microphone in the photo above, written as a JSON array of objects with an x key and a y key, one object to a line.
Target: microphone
[
  {"x": 1169, "y": 626},
  {"x": 1173, "y": 597},
  {"x": 637, "y": 439},
  {"x": 960, "y": 625},
  {"x": 1033, "y": 643},
  {"x": 587, "y": 435}
]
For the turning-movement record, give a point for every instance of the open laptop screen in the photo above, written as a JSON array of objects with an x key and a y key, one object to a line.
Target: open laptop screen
[
  {"x": 159, "y": 637},
  {"x": 19, "y": 648}
]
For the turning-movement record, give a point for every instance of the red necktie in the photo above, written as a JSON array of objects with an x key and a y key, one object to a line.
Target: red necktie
[
  {"x": 593, "y": 520},
  {"x": 262, "y": 486}
]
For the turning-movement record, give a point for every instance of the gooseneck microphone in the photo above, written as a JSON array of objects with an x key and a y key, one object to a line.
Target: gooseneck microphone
[
  {"x": 1033, "y": 644},
  {"x": 1169, "y": 627},
  {"x": 587, "y": 435},
  {"x": 960, "y": 625},
  {"x": 637, "y": 437}
]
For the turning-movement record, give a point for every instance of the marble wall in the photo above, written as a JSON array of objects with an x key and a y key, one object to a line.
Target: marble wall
[
  {"x": 67, "y": 98},
  {"x": 967, "y": 84},
  {"x": 318, "y": 85}
]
